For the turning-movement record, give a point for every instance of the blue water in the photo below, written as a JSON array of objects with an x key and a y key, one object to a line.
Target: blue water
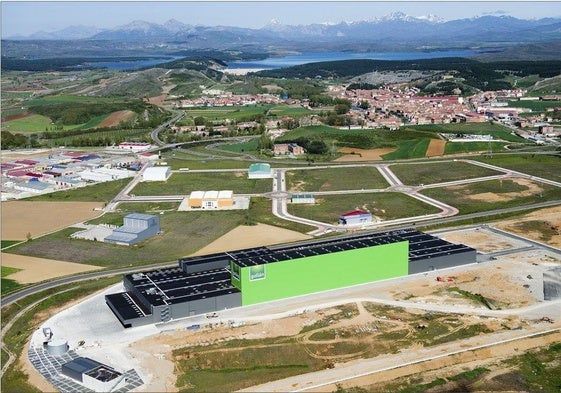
[{"x": 303, "y": 58}]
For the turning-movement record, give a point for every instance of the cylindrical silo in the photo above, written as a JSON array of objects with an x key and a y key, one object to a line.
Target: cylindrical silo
[{"x": 57, "y": 347}]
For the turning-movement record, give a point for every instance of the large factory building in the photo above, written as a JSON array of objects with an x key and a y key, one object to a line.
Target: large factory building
[{"x": 221, "y": 281}]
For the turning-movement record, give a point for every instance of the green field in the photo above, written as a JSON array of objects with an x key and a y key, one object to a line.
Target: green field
[
  {"x": 546, "y": 166},
  {"x": 29, "y": 124},
  {"x": 111, "y": 137},
  {"x": 199, "y": 228},
  {"x": 471, "y": 147},
  {"x": 235, "y": 113},
  {"x": 493, "y": 194},
  {"x": 100, "y": 192},
  {"x": 9, "y": 285},
  {"x": 535, "y": 106},
  {"x": 409, "y": 141},
  {"x": 63, "y": 99},
  {"x": 496, "y": 130},
  {"x": 184, "y": 183},
  {"x": 331, "y": 179},
  {"x": 386, "y": 205},
  {"x": 251, "y": 146},
  {"x": 409, "y": 149},
  {"x": 439, "y": 172}
]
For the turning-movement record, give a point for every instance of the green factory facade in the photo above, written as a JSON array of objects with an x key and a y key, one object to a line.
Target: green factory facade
[
  {"x": 226, "y": 280},
  {"x": 308, "y": 274}
]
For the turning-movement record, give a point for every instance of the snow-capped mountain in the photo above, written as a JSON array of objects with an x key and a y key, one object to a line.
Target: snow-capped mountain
[{"x": 396, "y": 29}]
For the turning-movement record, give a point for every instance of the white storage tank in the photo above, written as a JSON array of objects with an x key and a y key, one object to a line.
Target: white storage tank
[{"x": 57, "y": 347}]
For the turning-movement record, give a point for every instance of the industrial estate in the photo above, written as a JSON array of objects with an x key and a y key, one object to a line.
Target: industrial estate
[{"x": 180, "y": 218}]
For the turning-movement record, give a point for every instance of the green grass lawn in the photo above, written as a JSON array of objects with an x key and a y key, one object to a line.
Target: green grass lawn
[
  {"x": 184, "y": 183},
  {"x": 439, "y": 172},
  {"x": 507, "y": 194},
  {"x": 546, "y": 166},
  {"x": 9, "y": 285},
  {"x": 386, "y": 205},
  {"x": 183, "y": 233},
  {"x": 244, "y": 147},
  {"x": 29, "y": 124},
  {"x": 416, "y": 148},
  {"x": 331, "y": 179}
]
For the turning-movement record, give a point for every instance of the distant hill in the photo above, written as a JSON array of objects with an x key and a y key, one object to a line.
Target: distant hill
[
  {"x": 395, "y": 32},
  {"x": 472, "y": 73}
]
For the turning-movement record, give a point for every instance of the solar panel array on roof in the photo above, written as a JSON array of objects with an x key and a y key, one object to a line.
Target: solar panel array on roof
[{"x": 169, "y": 286}]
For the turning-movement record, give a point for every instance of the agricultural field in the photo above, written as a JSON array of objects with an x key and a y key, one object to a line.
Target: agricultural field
[
  {"x": 29, "y": 124},
  {"x": 184, "y": 183},
  {"x": 439, "y": 172},
  {"x": 384, "y": 205},
  {"x": 332, "y": 179}
]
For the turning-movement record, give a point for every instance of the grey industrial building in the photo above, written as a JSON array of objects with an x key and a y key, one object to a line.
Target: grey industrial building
[
  {"x": 203, "y": 284},
  {"x": 92, "y": 374},
  {"x": 136, "y": 227}
]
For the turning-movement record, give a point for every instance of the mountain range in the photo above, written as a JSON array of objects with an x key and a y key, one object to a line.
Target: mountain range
[{"x": 394, "y": 32}]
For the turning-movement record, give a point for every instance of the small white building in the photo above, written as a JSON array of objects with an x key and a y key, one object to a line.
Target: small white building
[
  {"x": 104, "y": 174},
  {"x": 134, "y": 147},
  {"x": 157, "y": 173},
  {"x": 259, "y": 171}
]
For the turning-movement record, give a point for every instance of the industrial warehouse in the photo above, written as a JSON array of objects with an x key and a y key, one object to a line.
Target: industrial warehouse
[{"x": 227, "y": 280}]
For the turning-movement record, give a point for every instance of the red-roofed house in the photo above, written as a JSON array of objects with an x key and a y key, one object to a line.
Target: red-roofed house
[{"x": 355, "y": 217}]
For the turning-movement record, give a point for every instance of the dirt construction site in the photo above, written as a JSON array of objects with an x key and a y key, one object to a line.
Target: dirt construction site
[{"x": 439, "y": 322}]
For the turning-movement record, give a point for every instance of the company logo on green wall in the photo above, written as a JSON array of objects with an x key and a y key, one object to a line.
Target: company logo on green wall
[{"x": 257, "y": 272}]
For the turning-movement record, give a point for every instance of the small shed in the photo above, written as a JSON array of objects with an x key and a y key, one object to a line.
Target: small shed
[
  {"x": 157, "y": 173},
  {"x": 355, "y": 217},
  {"x": 259, "y": 171},
  {"x": 302, "y": 198}
]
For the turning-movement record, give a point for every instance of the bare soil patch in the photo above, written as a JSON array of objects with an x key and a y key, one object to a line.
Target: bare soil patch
[
  {"x": 352, "y": 154},
  {"x": 39, "y": 269},
  {"x": 115, "y": 118},
  {"x": 550, "y": 217},
  {"x": 252, "y": 236},
  {"x": 436, "y": 148},
  {"x": 16, "y": 116},
  {"x": 533, "y": 188},
  {"x": 38, "y": 218}
]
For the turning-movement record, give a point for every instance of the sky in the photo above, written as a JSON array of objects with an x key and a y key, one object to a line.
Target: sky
[{"x": 27, "y": 17}]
